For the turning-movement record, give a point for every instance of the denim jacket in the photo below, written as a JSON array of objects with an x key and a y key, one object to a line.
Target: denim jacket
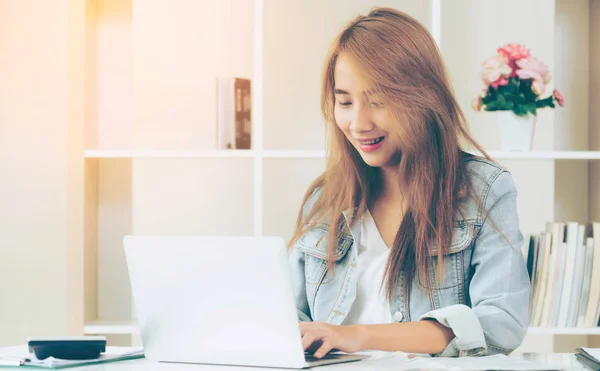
[{"x": 483, "y": 296}]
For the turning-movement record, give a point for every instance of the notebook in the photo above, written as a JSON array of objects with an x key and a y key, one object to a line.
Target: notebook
[
  {"x": 19, "y": 356},
  {"x": 590, "y": 357}
]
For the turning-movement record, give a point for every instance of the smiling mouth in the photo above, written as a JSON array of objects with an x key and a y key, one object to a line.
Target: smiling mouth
[{"x": 371, "y": 142}]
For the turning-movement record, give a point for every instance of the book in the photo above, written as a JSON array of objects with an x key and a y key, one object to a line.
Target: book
[
  {"x": 589, "y": 357},
  {"x": 578, "y": 275},
  {"x": 553, "y": 283},
  {"x": 587, "y": 277},
  {"x": 234, "y": 113},
  {"x": 542, "y": 285},
  {"x": 593, "y": 307},
  {"x": 567, "y": 274}
]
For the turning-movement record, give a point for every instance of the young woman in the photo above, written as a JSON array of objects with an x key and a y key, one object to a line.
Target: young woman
[{"x": 405, "y": 242}]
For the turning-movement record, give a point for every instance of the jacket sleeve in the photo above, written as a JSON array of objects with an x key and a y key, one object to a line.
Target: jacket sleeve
[
  {"x": 296, "y": 260},
  {"x": 498, "y": 318}
]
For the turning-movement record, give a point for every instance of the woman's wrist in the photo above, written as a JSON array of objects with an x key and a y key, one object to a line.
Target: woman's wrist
[
  {"x": 362, "y": 332},
  {"x": 413, "y": 337}
]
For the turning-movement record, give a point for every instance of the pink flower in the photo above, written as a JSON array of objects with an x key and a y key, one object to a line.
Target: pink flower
[
  {"x": 495, "y": 68},
  {"x": 532, "y": 68},
  {"x": 514, "y": 51},
  {"x": 500, "y": 82},
  {"x": 538, "y": 87},
  {"x": 559, "y": 98},
  {"x": 476, "y": 104}
]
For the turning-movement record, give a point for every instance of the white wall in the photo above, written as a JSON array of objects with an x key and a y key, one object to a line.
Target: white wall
[
  {"x": 114, "y": 222},
  {"x": 572, "y": 40},
  {"x": 40, "y": 115},
  {"x": 180, "y": 48},
  {"x": 594, "y": 103},
  {"x": 285, "y": 182},
  {"x": 114, "y": 60}
]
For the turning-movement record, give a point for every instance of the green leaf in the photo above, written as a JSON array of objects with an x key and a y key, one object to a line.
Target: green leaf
[
  {"x": 530, "y": 107},
  {"x": 525, "y": 89},
  {"x": 546, "y": 102},
  {"x": 513, "y": 85},
  {"x": 520, "y": 110},
  {"x": 504, "y": 104},
  {"x": 515, "y": 98},
  {"x": 488, "y": 99}
]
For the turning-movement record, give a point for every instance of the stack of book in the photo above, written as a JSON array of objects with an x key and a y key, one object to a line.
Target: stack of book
[{"x": 564, "y": 268}]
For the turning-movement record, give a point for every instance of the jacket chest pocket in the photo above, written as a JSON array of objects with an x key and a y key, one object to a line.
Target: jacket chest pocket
[
  {"x": 314, "y": 245},
  {"x": 452, "y": 273}
]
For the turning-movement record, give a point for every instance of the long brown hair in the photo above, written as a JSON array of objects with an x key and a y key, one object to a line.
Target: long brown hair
[{"x": 404, "y": 64}]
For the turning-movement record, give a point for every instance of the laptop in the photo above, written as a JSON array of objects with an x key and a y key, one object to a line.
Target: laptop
[{"x": 218, "y": 300}]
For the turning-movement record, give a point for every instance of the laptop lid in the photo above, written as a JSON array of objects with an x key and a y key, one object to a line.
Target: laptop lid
[{"x": 215, "y": 300}]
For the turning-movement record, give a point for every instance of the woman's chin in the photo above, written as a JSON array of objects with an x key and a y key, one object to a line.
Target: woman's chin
[
  {"x": 375, "y": 161},
  {"x": 380, "y": 159}
]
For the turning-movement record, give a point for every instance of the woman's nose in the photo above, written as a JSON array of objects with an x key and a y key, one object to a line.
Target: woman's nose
[{"x": 361, "y": 121}]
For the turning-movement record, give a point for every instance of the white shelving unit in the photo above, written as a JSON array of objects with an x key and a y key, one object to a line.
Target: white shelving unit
[{"x": 283, "y": 133}]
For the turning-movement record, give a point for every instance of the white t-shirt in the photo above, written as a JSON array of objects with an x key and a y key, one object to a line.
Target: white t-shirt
[{"x": 370, "y": 305}]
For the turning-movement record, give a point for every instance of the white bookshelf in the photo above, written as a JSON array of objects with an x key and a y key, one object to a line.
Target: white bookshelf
[{"x": 289, "y": 136}]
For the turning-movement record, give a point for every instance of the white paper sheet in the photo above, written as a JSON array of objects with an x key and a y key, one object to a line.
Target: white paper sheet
[{"x": 594, "y": 352}]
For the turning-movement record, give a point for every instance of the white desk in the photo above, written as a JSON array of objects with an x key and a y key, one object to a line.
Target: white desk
[{"x": 567, "y": 361}]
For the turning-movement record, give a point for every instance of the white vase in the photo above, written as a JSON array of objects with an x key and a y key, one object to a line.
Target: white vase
[{"x": 516, "y": 132}]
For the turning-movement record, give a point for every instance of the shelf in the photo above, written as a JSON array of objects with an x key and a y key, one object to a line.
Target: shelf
[
  {"x": 563, "y": 331},
  {"x": 293, "y": 154},
  {"x": 100, "y": 153},
  {"x": 131, "y": 327},
  {"x": 110, "y": 327},
  {"x": 547, "y": 155},
  {"x": 500, "y": 155}
]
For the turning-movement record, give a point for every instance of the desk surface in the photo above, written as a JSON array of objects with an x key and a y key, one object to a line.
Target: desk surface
[{"x": 564, "y": 361}]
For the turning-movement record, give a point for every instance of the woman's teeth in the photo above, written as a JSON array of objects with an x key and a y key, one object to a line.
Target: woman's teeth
[{"x": 374, "y": 141}]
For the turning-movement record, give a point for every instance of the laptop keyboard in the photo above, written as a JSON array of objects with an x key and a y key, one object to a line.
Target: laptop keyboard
[{"x": 311, "y": 358}]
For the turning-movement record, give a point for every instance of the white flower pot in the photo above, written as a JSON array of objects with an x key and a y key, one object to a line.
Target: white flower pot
[{"x": 516, "y": 132}]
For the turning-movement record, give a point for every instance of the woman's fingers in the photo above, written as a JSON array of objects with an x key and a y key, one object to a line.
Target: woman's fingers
[
  {"x": 310, "y": 342},
  {"x": 324, "y": 349}
]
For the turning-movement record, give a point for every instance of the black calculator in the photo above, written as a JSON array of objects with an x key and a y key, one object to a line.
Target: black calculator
[{"x": 70, "y": 347}]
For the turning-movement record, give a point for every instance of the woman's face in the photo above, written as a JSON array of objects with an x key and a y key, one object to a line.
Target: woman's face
[{"x": 361, "y": 115}]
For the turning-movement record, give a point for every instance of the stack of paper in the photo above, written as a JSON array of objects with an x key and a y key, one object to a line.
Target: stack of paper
[
  {"x": 589, "y": 357},
  {"x": 20, "y": 356}
]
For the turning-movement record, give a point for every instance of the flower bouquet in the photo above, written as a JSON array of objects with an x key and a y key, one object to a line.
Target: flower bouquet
[{"x": 514, "y": 85}]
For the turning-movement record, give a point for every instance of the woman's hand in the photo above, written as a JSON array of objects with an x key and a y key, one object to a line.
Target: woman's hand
[{"x": 321, "y": 338}]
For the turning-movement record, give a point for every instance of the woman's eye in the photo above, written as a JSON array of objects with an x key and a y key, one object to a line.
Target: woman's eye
[
  {"x": 345, "y": 104},
  {"x": 376, "y": 104}
]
